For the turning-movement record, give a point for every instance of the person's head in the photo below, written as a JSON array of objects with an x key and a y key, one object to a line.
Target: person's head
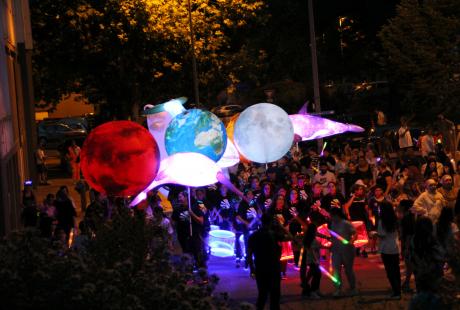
[
  {"x": 332, "y": 188},
  {"x": 431, "y": 186},
  {"x": 302, "y": 180},
  {"x": 282, "y": 191},
  {"x": 249, "y": 194},
  {"x": 358, "y": 190},
  {"x": 293, "y": 195},
  {"x": 279, "y": 202},
  {"x": 362, "y": 162},
  {"x": 182, "y": 197},
  {"x": 388, "y": 216},
  {"x": 200, "y": 194},
  {"x": 351, "y": 167},
  {"x": 73, "y": 143},
  {"x": 323, "y": 167},
  {"x": 434, "y": 175},
  {"x": 446, "y": 182},
  {"x": 317, "y": 189},
  {"x": 49, "y": 198},
  {"x": 403, "y": 121},
  {"x": 267, "y": 189},
  {"x": 254, "y": 182},
  {"x": 382, "y": 166},
  {"x": 378, "y": 192},
  {"x": 223, "y": 189}
]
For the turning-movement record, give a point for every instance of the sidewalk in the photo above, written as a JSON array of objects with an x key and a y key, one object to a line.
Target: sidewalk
[{"x": 58, "y": 178}]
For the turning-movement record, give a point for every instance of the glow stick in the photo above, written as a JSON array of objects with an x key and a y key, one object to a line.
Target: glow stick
[
  {"x": 324, "y": 147},
  {"x": 327, "y": 274},
  {"x": 339, "y": 237}
]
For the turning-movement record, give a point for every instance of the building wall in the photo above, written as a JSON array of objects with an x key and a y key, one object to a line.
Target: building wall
[
  {"x": 15, "y": 109},
  {"x": 71, "y": 106}
]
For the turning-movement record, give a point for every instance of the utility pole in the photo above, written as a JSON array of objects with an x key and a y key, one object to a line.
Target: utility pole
[
  {"x": 314, "y": 64},
  {"x": 192, "y": 41}
]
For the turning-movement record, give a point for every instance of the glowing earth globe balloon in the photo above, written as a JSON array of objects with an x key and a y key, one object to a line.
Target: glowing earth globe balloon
[
  {"x": 263, "y": 133},
  {"x": 196, "y": 131},
  {"x": 120, "y": 158}
]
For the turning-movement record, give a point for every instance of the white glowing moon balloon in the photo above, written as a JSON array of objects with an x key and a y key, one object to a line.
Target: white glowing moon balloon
[
  {"x": 263, "y": 133},
  {"x": 189, "y": 169},
  {"x": 231, "y": 156},
  {"x": 311, "y": 127},
  {"x": 159, "y": 117}
]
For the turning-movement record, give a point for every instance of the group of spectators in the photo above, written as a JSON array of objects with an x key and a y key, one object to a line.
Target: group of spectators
[{"x": 407, "y": 201}]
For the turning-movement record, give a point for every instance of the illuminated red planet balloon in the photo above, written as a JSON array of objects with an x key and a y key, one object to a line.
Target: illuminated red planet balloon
[{"x": 120, "y": 158}]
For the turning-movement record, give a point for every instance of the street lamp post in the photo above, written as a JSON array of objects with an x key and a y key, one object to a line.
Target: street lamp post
[
  {"x": 314, "y": 64},
  {"x": 192, "y": 41}
]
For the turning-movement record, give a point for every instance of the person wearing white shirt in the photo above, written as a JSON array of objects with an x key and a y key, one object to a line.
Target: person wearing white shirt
[
  {"x": 405, "y": 138},
  {"x": 430, "y": 202}
]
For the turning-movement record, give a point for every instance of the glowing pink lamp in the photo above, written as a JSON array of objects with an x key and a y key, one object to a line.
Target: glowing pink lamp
[
  {"x": 188, "y": 169},
  {"x": 311, "y": 127}
]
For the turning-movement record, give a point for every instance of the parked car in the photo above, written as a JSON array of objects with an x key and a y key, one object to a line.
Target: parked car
[{"x": 55, "y": 135}]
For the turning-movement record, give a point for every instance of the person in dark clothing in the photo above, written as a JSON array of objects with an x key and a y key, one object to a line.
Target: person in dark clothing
[
  {"x": 357, "y": 210},
  {"x": 65, "y": 211},
  {"x": 349, "y": 178},
  {"x": 246, "y": 218},
  {"x": 310, "y": 280},
  {"x": 30, "y": 211},
  {"x": 264, "y": 253},
  {"x": 407, "y": 229},
  {"x": 185, "y": 219}
]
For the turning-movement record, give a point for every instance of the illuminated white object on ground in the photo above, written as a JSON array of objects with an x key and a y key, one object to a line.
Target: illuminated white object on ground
[
  {"x": 231, "y": 156},
  {"x": 159, "y": 117},
  {"x": 311, "y": 127},
  {"x": 263, "y": 133},
  {"x": 222, "y": 243}
]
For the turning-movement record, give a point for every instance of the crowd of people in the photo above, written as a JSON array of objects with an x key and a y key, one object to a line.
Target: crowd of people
[{"x": 407, "y": 200}]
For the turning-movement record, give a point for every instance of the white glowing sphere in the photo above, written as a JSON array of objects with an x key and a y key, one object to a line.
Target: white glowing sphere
[{"x": 263, "y": 133}]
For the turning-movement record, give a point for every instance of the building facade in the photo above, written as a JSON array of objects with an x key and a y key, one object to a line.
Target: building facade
[{"x": 17, "y": 123}]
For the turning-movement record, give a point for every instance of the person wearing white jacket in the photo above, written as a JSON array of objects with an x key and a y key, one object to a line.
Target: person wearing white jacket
[{"x": 430, "y": 202}]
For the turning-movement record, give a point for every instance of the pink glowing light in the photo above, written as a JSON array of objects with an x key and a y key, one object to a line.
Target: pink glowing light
[
  {"x": 311, "y": 127},
  {"x": 361, "y": 240},
  {"x": 188, "y": 169},
  {"x": 231, "y": 156},
  {"x": 327, "y": 274}
]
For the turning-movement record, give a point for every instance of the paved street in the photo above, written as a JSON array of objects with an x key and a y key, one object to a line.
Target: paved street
[{"x": 371, "y": 283}]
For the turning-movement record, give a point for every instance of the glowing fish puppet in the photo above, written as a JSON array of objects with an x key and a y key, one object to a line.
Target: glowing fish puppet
[
  {"x": 159, "y": 117},
  {"x": 310, "y": 127},
  {"x": 188, "y": 169}
]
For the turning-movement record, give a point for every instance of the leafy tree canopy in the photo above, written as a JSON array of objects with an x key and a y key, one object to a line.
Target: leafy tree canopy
[
  {"x": 124, "y": 53},
  {"x": 423, "y": 56}
]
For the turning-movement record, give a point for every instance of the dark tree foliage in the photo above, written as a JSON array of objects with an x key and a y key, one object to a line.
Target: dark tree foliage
[
  {"x": 126, "y": 266},
  {"x": 423, "y": 56}
]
